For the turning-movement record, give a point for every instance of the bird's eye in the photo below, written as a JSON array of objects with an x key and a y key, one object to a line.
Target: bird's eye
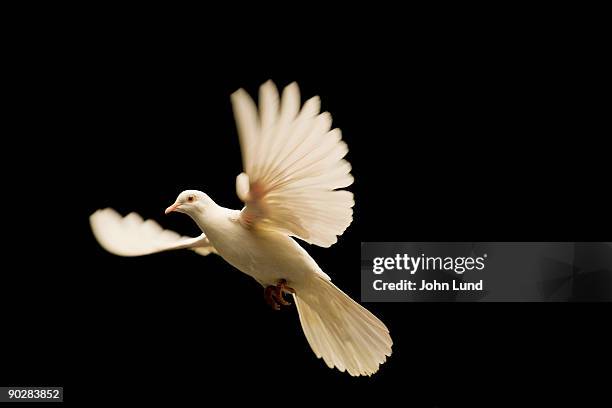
[{"x": 190, "y": 199}]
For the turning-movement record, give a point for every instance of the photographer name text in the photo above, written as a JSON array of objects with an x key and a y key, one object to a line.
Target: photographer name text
[{"x": 424, "y": 285}]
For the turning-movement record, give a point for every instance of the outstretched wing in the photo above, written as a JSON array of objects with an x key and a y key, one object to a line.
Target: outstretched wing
[
  {"x": 133, "y": 236},
  {"x": 293, "y": 165}
]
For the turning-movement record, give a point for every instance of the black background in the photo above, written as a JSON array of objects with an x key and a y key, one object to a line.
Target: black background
[{"x": 451, "y": 137}]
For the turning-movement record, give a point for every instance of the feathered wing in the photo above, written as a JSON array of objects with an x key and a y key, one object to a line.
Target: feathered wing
[
  {"x": 293, "y": 165},
  {"x": 133, "y": 236},
  {"x": 341, "y": 331}
]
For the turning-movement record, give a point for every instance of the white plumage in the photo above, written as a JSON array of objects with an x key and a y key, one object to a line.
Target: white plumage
[
  {"x": 133, "y": 236},
  {"x": 293, "y": 163},
  {"x": 342, "y": 332},
  {"x": 293, "y": 169}
]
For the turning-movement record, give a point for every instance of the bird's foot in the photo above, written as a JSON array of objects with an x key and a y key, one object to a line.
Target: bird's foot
[{"x": 274, "y": 294}]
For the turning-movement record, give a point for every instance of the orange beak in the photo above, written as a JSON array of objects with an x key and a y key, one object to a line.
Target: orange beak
[{"x": 173, "y": 207}]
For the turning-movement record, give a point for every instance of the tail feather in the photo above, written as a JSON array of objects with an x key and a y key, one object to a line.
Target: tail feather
[{"x": 341, "y": 331}]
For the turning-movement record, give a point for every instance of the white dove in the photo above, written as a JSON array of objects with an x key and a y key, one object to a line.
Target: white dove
[{"x": 293, "y": 166}]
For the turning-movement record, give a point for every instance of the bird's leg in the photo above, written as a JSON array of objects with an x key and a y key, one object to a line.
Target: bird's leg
[
  {"x": 282, "y": 284},
  {"x": 274, "y": 294},
  {"x": 270, "y": 298},
  {"x": 279, "y": 291}
]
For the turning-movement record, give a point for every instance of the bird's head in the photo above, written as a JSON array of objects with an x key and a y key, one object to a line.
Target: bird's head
[{"x": 189, "y": 202}]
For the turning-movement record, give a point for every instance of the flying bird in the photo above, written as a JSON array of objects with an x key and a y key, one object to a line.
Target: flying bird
[{"x": 292, "y": 187}]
